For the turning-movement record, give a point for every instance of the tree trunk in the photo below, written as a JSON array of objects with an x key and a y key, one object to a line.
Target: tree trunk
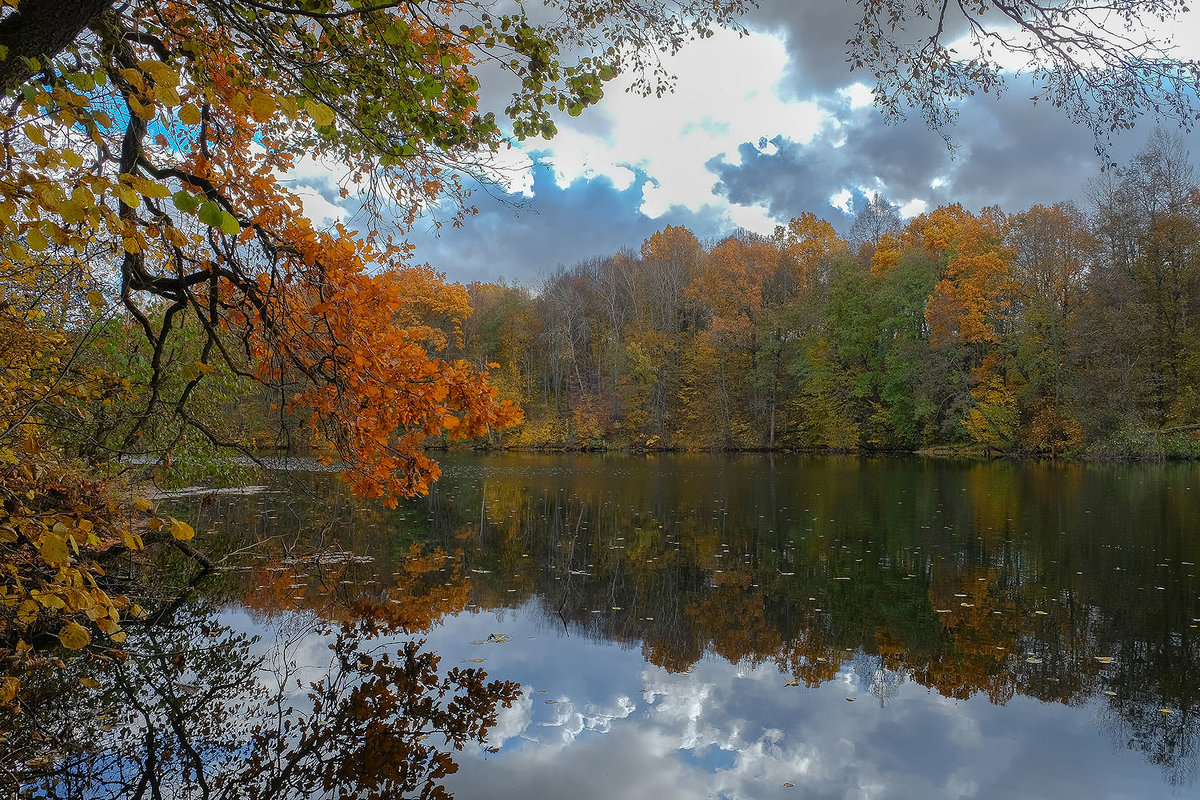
[{"x": 39, "y": 30}]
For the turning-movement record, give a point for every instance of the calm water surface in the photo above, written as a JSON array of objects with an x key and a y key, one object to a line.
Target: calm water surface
[{"x": 668, "y": 627}]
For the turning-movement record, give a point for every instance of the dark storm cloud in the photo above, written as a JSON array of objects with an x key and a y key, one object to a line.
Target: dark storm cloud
[
  {"x": 1006, "y": 151},
  {"x": 522, "y": 240},
  {"x": 816, "y": 32}
]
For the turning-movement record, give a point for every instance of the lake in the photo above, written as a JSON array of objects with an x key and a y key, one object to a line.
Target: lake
[{"x": 662, "y": 626}]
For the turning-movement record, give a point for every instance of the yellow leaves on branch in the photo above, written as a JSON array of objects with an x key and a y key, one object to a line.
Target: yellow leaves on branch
[
  {"x": 976, "y": 287},
  {"x": 74, "y": 636}
]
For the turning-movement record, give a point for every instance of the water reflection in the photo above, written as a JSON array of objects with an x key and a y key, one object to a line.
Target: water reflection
[
  {"x": 340, "y": 701},
  {"x": 690, "y": 625}
]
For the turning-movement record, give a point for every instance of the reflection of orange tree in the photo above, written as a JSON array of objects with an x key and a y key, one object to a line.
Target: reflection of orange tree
[
  {"x": 424, "y": 589},
  {"x": 735, "y": 621},
  {"x": 811, "y": 658},
  {"x": 982, "y": 625}
]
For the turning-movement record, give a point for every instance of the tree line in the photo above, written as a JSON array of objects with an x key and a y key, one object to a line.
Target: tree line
[{"x": 1062, "y": 329}]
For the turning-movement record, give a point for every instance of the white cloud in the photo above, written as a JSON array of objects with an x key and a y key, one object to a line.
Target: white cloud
[
  {"x": 319, "y": 211},
  {"x": 843, "y": 200},
  {"x": 913, "y": 208},
  {"x": 714, "y": 110},
  {"x": 858, "y": 94}
]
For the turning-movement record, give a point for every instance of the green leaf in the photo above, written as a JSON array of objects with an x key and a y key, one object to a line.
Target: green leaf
[
  {"x": 185, "y": 201},
  {"x": 395, "y": 33},
  {"x": 210, "y": 214},
  {"x": 229, "y": 224}
]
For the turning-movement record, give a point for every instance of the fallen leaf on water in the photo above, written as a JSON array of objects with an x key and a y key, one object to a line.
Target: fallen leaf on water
[
  {"x": 1110, "y": 693},
  {"x": 551, "y": 702},
  {"x": 1164, "y": 711},
  {"x": 793, "y": 683},
  {"x": 849, "y": 699},
  {"x": 542, "y": 691},
  {"x": 1105, "y": 659},
  {"x": 1033, "y": 660},
  {"x": 789, "y": 784},
  {"x": 1042, "y": 613}
]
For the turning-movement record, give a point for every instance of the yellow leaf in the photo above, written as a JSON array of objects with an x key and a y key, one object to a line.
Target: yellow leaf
[
  {"x": 74, "y": 636},
  {"x": 142, "y": 504},
  {"x": 287, "y": 105},
  {"x": 128, "y": 196},
  {"x": 189, "y": 114},
  {"x": 54, "y": 550},
  {"x": 181, "y": 530},
  {"x": 89, "y": 683},
  {"x": 134, "y": 77},
  {"x": 35, "y": 240},
  {"x": 28, "y": 612},
  {"x": 320, "y": 113},
  {"x": 162, "y": 73},
  {"x": 8, "y": 690},
  {"x": 167, "y": 95},
  {"x": 144, "y": 111},
  {"x": 148, "y": 188},
  {"x": 35, "y": 135},
  {"x": 132, "y": 540},
  {"x": 262, "y": 106},
  {"x": 49, "y": 599}
]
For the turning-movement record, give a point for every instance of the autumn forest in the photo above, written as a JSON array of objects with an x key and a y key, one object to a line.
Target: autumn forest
[
  {"x": 171, "y": 316},
  {"x": 1065, "y": 329}
]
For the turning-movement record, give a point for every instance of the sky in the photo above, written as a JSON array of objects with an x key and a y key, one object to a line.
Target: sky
[{"x": 758, "y": 130}]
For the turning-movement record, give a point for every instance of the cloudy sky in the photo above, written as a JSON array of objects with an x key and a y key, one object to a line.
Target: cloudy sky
[{"x": 758, "y": 130}]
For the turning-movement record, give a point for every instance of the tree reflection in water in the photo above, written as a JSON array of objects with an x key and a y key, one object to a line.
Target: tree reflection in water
[
  {"x": 194, "y": 709},
  {"x": 975, "y": 581}
]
